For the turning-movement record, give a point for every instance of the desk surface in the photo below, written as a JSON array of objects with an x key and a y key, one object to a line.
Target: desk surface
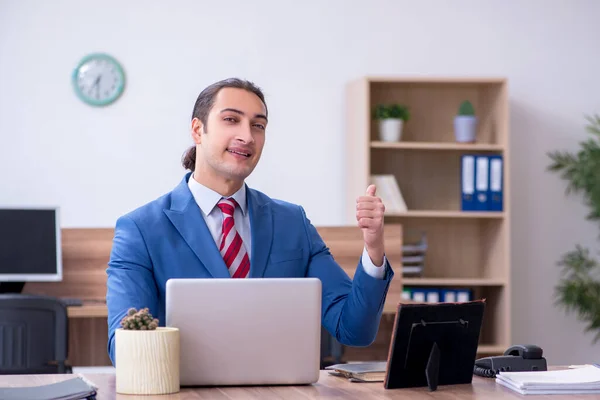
[
  {"x": 99, "y": 310},
  {"x": 328, "y": 387}
]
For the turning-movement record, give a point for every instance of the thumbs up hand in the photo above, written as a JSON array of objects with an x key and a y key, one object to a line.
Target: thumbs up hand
[{"x": 369, "y": 214}]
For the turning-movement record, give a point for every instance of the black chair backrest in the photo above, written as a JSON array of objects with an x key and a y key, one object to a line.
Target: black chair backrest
[{"x": 33, "y": 334}]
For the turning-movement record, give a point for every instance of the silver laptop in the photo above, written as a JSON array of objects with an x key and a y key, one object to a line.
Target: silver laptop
[{"x": 246, "y": 331}]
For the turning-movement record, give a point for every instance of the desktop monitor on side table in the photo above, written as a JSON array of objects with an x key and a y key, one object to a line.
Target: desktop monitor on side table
[{"x": 30, "y": 247}]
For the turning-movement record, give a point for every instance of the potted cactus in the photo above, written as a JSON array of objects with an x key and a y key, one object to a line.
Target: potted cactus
[
  {"x": 465, "y": 123},
  {"x": 147, "y": 356},
  {"x": 391, "y": 120}
]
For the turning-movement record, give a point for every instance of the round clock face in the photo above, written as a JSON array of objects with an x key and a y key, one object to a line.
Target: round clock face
[{"x": 98, "y": 79}]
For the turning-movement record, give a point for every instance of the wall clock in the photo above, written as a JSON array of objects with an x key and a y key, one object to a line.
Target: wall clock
[{"x": 98, "y": 79}]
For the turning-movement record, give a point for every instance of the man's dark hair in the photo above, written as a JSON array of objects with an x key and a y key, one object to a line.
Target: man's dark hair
[{"x": 204, "y": 104}]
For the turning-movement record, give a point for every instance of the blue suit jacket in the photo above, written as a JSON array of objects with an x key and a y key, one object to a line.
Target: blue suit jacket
[{"x": 168, "y": 238}]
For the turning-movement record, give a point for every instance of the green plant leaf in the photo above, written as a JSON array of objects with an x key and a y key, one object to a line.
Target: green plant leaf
[
  {"x": 466, "y": 108},
  {"x": 578, "y": 290},
  {"x": 383, "y": 111}
]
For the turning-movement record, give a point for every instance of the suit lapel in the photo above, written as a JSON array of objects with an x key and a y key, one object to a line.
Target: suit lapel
[
  {"x": 186, "y": 216},
  {"x": 261, "y": 228}
]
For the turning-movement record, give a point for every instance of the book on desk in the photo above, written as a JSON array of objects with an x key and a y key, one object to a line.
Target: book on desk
[{"x": 360, "y": 372}]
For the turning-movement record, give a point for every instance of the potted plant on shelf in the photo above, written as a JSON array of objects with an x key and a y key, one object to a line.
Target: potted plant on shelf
[
  {"x": 465, "y": 123},
  {"x": 391, "y": 120},
  {"x": 147, "y": 356}
]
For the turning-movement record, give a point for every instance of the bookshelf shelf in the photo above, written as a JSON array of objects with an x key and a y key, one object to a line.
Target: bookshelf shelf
[
  {"x": 461, "y": 282},
  {"x": 446, "y": 214},
  {"x": 437, "y": 146},
  {"x": 439, "y": 80},
  {"x": 465, "y": 249}
]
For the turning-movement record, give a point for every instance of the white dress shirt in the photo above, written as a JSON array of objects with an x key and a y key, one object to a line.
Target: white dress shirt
[{"x": 207, "y": 199}]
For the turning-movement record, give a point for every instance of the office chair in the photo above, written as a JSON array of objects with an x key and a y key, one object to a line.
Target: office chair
[
  {"x": 331, "y": 350},
  {"x": 33, "y": 335}
]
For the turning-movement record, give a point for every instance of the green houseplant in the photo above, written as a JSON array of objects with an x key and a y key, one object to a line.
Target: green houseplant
[
  {"x": 579, "y": 287},
  {"x": 147, "y": 356},
  {"x": 391, "y": 119},
  {"x": 465, "y": 123}
]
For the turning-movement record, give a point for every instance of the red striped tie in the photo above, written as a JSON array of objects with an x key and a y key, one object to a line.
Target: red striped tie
[{"x": 232, "y": 248}]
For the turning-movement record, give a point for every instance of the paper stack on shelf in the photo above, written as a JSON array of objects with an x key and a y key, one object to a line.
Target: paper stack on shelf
[
  {"x": 389, "y": 192},
  {"x": 413, "y": 255},
  {"x": 581, "y": 380}
]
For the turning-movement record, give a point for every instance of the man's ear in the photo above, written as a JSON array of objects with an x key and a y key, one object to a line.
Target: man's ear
[{"x": 197, "y": 129}]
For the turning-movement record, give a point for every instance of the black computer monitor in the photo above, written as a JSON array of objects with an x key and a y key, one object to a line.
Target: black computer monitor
[{"x": 30, "y": 247}]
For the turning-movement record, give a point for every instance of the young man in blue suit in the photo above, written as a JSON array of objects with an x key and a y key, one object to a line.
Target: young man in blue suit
[{"x": 213, "y": 226}]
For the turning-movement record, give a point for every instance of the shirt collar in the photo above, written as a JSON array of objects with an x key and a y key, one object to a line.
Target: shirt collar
[{"x": 207, "y": 198}]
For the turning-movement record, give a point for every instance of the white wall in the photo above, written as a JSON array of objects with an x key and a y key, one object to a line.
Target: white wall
[{"x": 100, "y": 163}]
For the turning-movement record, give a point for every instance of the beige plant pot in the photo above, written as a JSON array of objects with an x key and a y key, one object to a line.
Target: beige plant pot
[
  {"x": 390, "y": 129},
  {"x": 147, "y": 362}
]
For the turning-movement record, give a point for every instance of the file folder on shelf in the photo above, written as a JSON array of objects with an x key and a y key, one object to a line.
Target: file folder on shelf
[
  {"x": 463, "y": 295},
  {"x": 432, "y": 296},
  {"x": 467, "y": 182},
  {"x": 448, "y": 296},
  {"x": 482, "y": 179},
  {"x": 437, "y": 295},
  {"x": 419, "y": 295},
  {"x": 496, "y": 184}
]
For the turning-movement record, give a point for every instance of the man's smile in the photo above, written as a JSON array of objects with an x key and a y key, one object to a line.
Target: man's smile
[{"x": 244, "y": 153}]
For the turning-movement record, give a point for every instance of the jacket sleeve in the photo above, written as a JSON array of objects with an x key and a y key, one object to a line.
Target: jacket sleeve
[
  {"x": 351, "y": 308},
  {"x": 130, "y": 281}
]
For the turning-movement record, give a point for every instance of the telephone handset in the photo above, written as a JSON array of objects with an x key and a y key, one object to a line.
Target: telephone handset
[{"x": 517, "y": 358}]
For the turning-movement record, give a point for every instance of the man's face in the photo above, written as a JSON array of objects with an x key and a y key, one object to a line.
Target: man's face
[{"x": 232, "y": 140}]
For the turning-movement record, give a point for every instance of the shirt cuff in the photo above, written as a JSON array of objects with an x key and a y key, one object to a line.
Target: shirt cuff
[{"x": 377, "y": 272}]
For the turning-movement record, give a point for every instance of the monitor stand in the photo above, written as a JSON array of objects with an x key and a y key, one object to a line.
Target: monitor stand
[{"x": 11, "y": 287}]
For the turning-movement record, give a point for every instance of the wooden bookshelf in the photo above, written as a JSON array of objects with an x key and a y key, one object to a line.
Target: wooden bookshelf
[{"x": 466, "y": 249}]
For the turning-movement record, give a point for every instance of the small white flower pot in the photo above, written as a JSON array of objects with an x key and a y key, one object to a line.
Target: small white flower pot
[
  {"x": 147, "y": 362},
  {"x": 390, "y": 129},
  {"x": 465, "y": 128}
]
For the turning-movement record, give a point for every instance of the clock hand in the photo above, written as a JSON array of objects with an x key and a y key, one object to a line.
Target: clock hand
[{"x": 97, "y": 84}]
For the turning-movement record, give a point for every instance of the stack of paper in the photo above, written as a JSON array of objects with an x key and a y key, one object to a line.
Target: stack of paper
[
  {"x": 360, "y": 372},
  {"x": 581, "y": 380},
  {"x": 75, "y": 388},
  {"x": 389, "y": 192},
  {"x": 413, "y": 254}
]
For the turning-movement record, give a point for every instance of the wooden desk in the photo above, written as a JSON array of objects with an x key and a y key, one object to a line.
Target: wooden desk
[
  {"x": 328, "y": 387},
  {"x": 88, "y": 334},
  {"x": 97, "y": 310}
]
